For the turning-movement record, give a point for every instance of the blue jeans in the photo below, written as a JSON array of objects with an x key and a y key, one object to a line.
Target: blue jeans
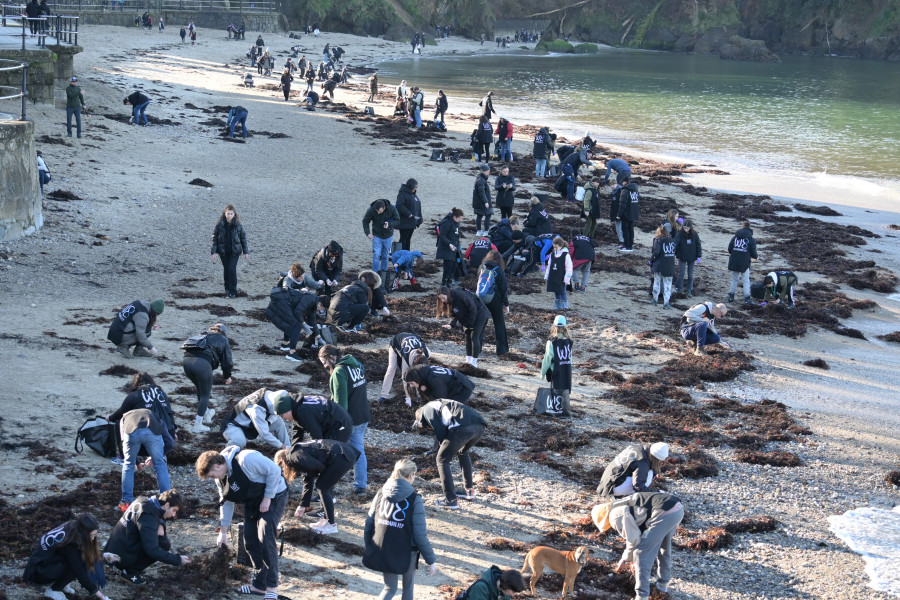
[
  {"x": 417, "y": 115},
  {"x": 545, "y": 245},
  {"x": 138, "y": 112},
  {"x": 357, "y": 440},
  {"x": 569, "y": 172},
  {"x": 131, "y": 445},
  {"x": 540, "y": 166},
  {"x": 562, "y": 299},
  {"x": 73, "y": 111},
  {"x": 241, "y": 118},
  {"x": 43, "y": 178},
  {"x": 689, "y": 285},
  {"x": 381, "y": 252},
  {"x": 505, "y": 153},
  {"x": 699, "y": 332}
]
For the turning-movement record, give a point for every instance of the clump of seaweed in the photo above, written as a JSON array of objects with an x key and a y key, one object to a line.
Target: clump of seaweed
[{"x": 774, "y": 459}]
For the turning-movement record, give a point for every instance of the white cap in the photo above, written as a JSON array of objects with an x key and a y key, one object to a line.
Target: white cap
[
  {"x": 560, "y": 321},
  {"x": 660, "y": 450}
]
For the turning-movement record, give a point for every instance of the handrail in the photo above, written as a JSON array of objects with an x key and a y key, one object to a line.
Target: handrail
[
  {"x": 139, "y": 6},
  {"x": 23, "y": 91},
  {"x": 63, "y": 27}
]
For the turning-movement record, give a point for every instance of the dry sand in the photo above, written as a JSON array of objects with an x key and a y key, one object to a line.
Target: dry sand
[{"x": 140, "y": 231}]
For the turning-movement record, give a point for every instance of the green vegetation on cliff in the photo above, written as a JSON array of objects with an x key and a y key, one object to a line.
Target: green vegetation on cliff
[{"x": 558, "y": 46}]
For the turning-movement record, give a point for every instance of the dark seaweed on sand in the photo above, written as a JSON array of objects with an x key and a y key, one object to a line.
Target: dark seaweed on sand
[
  {"x": 763, "y": 524},
  {"x": 818, "y": 363},
  {"x": 891, "y": 337},
  {"x": 774, "y": 459},
  {"x": 893, "y": 478}
]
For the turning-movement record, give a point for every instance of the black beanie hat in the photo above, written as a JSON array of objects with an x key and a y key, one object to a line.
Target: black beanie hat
[{"x": 517, "y": 235}]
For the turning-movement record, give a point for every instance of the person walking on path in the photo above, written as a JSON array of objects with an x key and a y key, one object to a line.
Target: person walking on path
[
  {"x": 140, "y": 102},
  {"x": 407, "y": 350},
  {"x": 496, "y": 296},
  {"x": 448, "y": 246},
  {"x": 322, "y": 463},
  {"x": 437, "y": 383},
  {"x": 347, "y": 383},
  {"x": 629, "y": 213},
  {"x": 470, "y": 312},
  {"x": 741, "y": 251},
  {"x": 558, "y": 272},
  {"x": 662, "y": 265},
  {"x": 395, "y": 533},
  {"x": 74, "y": 106},
  {"x": 229, "y": 242},
  {"x": 698, "y": 326},
  {"x": 481, "y": 200},
  {"x": 456, "y": 429},
  {"x": 556, "y": 366},
  {"x": 248, "y": 477},
  {"x": 237, "y": 115},
  {"x": 64, "y": 554},
  {"x": 203, "y": 354},
  {"x": 688, "y": 251},
  {"x": 409, "y": 207},
  {"x": 647, "y": 521},
  {"x": 132, "y": 327}
]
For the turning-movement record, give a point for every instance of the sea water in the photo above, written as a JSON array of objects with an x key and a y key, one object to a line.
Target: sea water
[
  {"x": 833, "y": 122},
  {"x": 874, "y": 533}
]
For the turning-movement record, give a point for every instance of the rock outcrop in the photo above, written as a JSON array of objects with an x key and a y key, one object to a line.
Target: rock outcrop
[{"x": 739, "y": 48}]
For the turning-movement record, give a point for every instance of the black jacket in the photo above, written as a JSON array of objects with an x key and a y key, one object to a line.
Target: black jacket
[
  {"x": 409, "y": 207},
  {"x": 614, "y": 203},
  {"x": 633, "y": 461},
  {"x": 487, "y": 106},
  {"x": 320, "y": 418},
  {"x": 135, "y": 536},
  {"x": 288, "y": 306},
  {"x": 388, "y": 216},
  {"x": 350, "y": 295},
  {"x": 538, "y": 221},
  {"x": 687, "y": 249},
  {"x": 314, "y": 457},
  {"x": 448, "y": 234},
  {"x": 440, "y": 382},
  {"x": 441, "y": 103},
  {"x": 741, "y": 248},
  {"x": 543, "y": 145},
  {"x": 225, "y": 233},
  {"x": 322, "y": 270},
  {"x": 481, "y": 195},
  {"x": 629, "y": 203},
  {"x": 466, "y": 307},
  {"x": 662, "y": 257},
  {"x": 217, "y": 352},
  {"x": 137, "y": 98},
  {"x": 443, "y": 416},
  {"x": 505, "y": 196},
  {"x": 501, "y": 235},
  {"x": 145, "y": 397},
  {"x": 485, "y": 133}
]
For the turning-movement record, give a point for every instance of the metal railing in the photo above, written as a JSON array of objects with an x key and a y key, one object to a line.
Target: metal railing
[
  {"x": 239, "y": 6},
  {"x": 62, "y": 27},
  {"x": 22, "y": 92}
]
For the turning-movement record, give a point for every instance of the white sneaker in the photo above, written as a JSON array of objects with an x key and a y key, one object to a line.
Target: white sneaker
[
  {"x": 51, "y": 593},
  {"x": 475, "y": 362},
  {"x": 385, "y": 312},
  {"x": 200, "y": 428},
  {"x": 469, "y": 360},
  {"x": 210, "y": 413},
  {"x": 69, "y": 589},
  {"x": 326, "y": 529}
]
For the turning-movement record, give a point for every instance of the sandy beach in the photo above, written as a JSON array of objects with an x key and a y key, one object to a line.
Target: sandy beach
[{"x": 135, "y": 228}]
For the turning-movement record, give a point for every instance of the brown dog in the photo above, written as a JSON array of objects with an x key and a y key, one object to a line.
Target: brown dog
[{"x": 568, "y": 564}]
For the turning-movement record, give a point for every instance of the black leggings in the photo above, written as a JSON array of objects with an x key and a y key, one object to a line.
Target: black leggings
[
  {"x": 352, "y": 315},
  {"x": 495, "y": 306},
  {"x": 475, "y": 335},
  {"x": 487, "y": 222},
  {"x": 199, "y": 371},
  {"x": 229, "y": 267},
  {"x": 440, "y": 114},
  {"x": 483, "y": 150},
  {"x": 628, "y": 233},
  {"x": 505, "y": 212},
  {"x": 406, "y": 238},
  {"x": 328, "y": 479},
  {"x": 449, "y": 271}
]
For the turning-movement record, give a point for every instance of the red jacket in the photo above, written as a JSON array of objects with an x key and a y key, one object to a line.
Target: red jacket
[
  {"x": 579, "y": 262},
  {"x": 509, "y": 130}
]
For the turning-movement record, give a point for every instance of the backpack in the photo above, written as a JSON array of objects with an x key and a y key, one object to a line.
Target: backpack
[
  {"x": 195, "y": 342},
  {"x": 487, "y": 285},
  {"x": 99, "y": 434},
  {"x": 464, "y": 595}
]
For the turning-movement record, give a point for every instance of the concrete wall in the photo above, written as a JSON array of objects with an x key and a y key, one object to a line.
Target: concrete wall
[
  {"x": 41, "y": 73},
  {"x": 173, "y": 19},
  {"x": 20, "y": 192}
]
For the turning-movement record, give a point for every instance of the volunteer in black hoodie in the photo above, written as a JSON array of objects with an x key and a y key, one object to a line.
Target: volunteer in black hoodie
[
  {"x": 505, "y": 184},
  {"x": 448, "y": 245},
  {"x": 410, "y": 209},
  {"x": 469, "y": 311},
  {"x": 199, "y": 364},
  {"x": 662, "y": 264},
  {"x": 498, "y": 303},
  {"x": 543, "y": 149},
  {"x": 352, "y": 303},
  {"x": 383, "y": 217},
  {"x": 741, "y": 250},
  {"x": 321, "y": 418},
  {"x": 456, "y": 428},
  {"x": 440, "y": 382},
  {"x": 538, "y": 221},
  {"x": 139, "y": 538},
  {"x": 228, "y": 243},
  {"x": 326, "y": 266},
  {"x": 629, "y": 212},
  {"x": 292, "y": 311},
  {"x": 483, "y": 139},
  {"x": 481, "y": 200}
]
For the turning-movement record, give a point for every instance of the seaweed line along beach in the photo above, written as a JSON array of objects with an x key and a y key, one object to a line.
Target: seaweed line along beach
[{"x": 799, "y": 424}]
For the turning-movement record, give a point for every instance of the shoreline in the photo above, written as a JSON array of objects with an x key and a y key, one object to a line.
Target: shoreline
[{"x": 142, "y": 231}]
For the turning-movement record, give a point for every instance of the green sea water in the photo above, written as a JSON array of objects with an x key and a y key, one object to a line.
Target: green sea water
[{"x": 808, "y": 115}]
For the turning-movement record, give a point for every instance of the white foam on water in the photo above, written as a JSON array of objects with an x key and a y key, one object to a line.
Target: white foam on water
[
  {"x": 894, "y": 297},
  {"x": 874, "y": 534}
]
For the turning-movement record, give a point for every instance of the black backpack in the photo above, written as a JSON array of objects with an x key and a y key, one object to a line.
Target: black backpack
[
  {"x": 195, "y": 342},
  {"x": 100, "y": 436}
]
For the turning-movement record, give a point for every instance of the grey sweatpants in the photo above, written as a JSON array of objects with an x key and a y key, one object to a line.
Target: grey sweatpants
[
  {"x": 409, "y": 578},
  {"x": 655, "y": 547},
  {"x": 735, "y": 276},
  {"x": 235, "y": 436}
]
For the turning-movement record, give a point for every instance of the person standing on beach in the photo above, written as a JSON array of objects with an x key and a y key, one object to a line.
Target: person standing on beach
[
  {"x": 229, "y": 242},
  {"x": 410, "y": 210},
  {"x": 382, "y": 216},
  {"x": 542, "y": 150},
  {"x": 629, "y": 212},
  {"x": 74, "y": 105},
  {"x": 558, "y": 272},
  {"x": 742, "y": 251},
  {"x": 504, "y": 139},
  {"x": 556, "y": 366},
  {"x": 43, "y": 171},
  {"x": 505, "y": 185},
  {"x": 483, "y": 139},
  {"x": 286, "y": 79},
  {"x": 347, "y": 382},
  {"x": 203, "y": 354},
  {"x": 481, "y": 200},
  {"x": 417, "y": 104},
  {"x": 373, "y": 87},
  {"x": 440, "y": 107},
  {"x": 662, "y": 264},
  {"x": 493, "y": 289},
  {"x": 193, "y": 36},
  {"x": 590, "y": 208},
  {"x": 614, "y": 204},
  {"x": 448, "y": 245},
  {"x": 688, "y": 252},
  {"x": 139, "y": 101},
  {"x": 183, "y": 33},
  {"x": 583, "y": 254},
  {"x": 623, "y": 171},
  {"x": 487, "y": 105}
]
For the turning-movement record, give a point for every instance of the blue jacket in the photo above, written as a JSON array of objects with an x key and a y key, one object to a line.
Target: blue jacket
[
  {"x": 618, "y": 165},
  {"x": 405, "y": 258}
]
